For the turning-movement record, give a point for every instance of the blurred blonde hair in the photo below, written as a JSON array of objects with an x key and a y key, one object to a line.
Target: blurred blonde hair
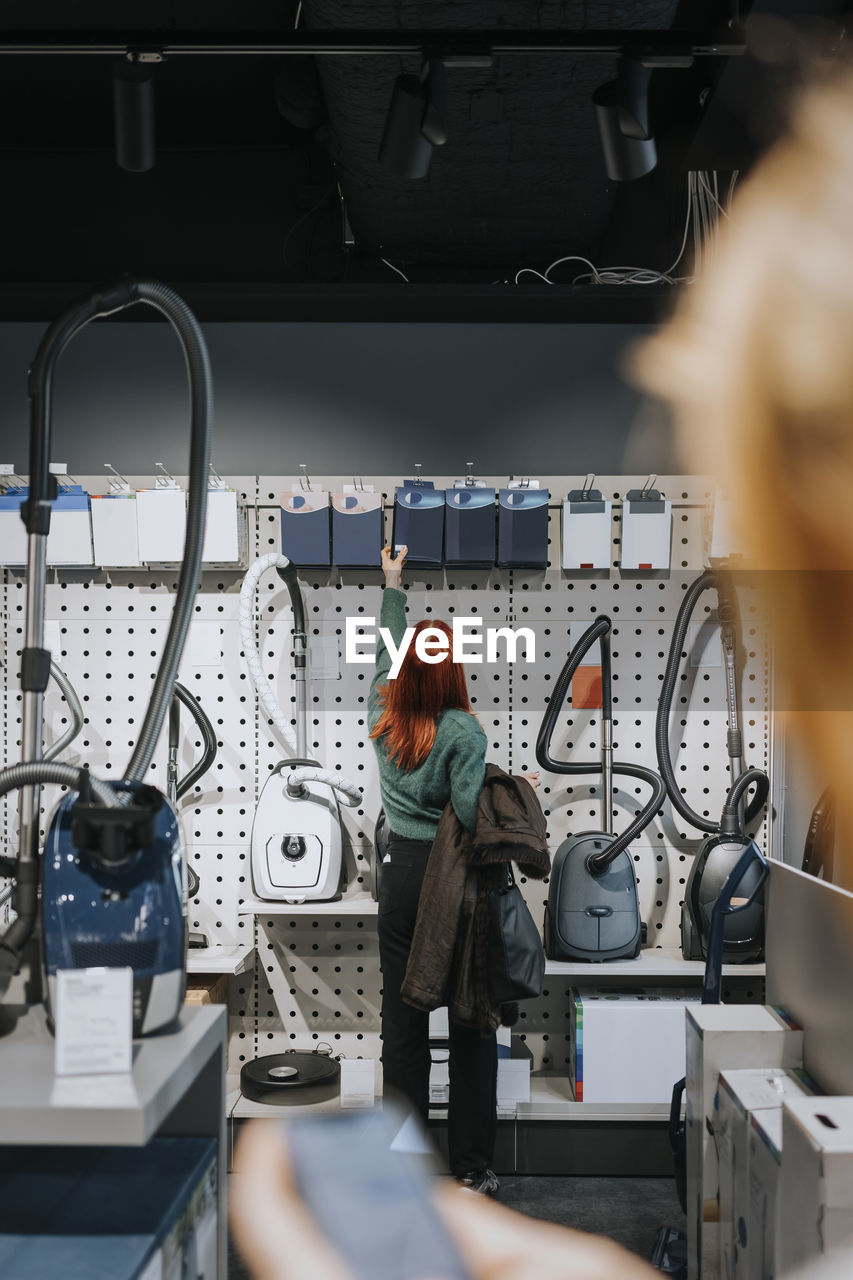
[{"x": 758, "y": 367}]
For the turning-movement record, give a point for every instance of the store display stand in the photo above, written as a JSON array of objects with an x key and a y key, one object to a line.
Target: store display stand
[{"x": 176, "y": 1088}]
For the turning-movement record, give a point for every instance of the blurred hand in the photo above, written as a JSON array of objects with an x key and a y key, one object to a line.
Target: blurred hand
[
  {"x": 279, "y": 1239},
  {"x": 392, "y": 566},
  {"x": 533, "y": 779}
]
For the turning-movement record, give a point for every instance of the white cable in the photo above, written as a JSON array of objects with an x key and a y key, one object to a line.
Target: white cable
[
  {"x": 623, "y": 275},
  {"x": 397, "y": 269},
  {"x": 349, "y": 792}
]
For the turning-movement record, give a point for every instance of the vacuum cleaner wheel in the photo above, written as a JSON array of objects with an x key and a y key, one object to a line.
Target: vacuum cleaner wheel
[{"x": 278, "y": 1077}]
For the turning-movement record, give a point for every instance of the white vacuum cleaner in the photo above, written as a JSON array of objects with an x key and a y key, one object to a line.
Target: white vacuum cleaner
[{"x": 296, "y": 834}]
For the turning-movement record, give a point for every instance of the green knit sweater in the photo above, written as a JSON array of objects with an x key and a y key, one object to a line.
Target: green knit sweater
[{"x": 455, "y": 768}]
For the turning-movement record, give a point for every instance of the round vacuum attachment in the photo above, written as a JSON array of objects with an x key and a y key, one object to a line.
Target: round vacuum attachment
[{"x": 279, "y": 1077}]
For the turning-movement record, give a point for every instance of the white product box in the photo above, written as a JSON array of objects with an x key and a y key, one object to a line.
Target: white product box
[
  {"x": 762, "y": 1221},
  {"x": 13, "y": 535},
  {"x": 604, "y": 1022},
  {"x": 70, "y": 539},
  {"x": 161, "y": 516},
  {"x": 439, "y": 1023},
  {"x": 721, "y": 543},
  {"x": 222, "y": 528},
  {"x": 114, "y": 531},
  {"x": 646, "y": 534},
  {"x": 816, "y": 1200},
  {"x": 741, "y": 1096},
  {"x": 439, "y": 1077},
  {"x": 722, "y": 1036},
  {"x": 587, "y": 534}
]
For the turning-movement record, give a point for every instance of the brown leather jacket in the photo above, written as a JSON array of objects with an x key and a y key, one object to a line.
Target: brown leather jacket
[{"x": 448, "y": 957}]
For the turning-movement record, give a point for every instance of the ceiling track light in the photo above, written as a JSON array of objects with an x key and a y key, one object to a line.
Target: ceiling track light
[
  {"x": 622, "y": 109},
  {"x": 133, "y": 112},
  {"x": 416, "y": 122}
]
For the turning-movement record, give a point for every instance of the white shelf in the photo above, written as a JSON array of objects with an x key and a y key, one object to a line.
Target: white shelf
[
  {"x": 230, "y": 959},
  {"x": 38, "y": 1107},
  {"x": 351, "y": 904},
  {"x": 551, "y": 1099},
  {"x": 654, "y": 962}
]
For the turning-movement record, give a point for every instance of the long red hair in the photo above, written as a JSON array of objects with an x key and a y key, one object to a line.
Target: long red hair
[{"x": 412, "y": 702}]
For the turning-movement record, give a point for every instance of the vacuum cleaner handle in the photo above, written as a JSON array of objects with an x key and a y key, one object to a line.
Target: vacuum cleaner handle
[
  {"x": 201, "y": 767},
  {"x": 599, "y": 630},
  {"x": 713, "y": 984}
]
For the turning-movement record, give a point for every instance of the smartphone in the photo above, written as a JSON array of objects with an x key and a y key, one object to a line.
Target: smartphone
[{"x": 370, "y": 1194}]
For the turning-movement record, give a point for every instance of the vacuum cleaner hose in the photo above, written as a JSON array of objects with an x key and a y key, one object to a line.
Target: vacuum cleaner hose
[
  {"x": 70, "y": 695},
  {"x": 599, "y": 862},
  {"x": 600, "y": 631},
  {"x": 18, "y": 933},
  {"x": 597, "y": 631},
  {"x": 208, "y": 739},
  {"x": 349, "y": 793},
  {"x": 730, "y": 823},
  {"x": 696, "y": 589},
  {"x": 176, "y": 311}
]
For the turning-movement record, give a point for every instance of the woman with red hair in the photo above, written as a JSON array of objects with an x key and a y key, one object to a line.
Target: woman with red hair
[{"x": 431, "y": 752}]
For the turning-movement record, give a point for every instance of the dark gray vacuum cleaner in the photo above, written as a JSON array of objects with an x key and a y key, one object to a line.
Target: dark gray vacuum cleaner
[
  {"x": 593, "y": 912},
  {"x": 728, "y": 838}
]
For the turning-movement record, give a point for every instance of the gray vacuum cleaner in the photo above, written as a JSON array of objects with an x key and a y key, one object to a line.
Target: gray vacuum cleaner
[
  {"x": 593, "y": 911},
  {"x": 728, "y": 838}
]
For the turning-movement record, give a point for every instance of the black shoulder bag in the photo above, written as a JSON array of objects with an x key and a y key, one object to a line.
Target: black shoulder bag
[{"x": 516, "y": 955}]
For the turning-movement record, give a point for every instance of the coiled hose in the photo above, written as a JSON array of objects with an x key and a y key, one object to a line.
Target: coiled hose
[
  {"x": 600, "y": 631},
  {"x": 350, "y": 794},
  {"x": 697, "y": 588}
]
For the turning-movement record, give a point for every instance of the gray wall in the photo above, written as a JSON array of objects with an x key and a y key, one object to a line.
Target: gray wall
[{"x": 362, "y": 398}]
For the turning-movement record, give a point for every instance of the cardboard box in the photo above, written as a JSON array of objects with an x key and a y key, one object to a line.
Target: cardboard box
[
  {"x": 722, "y": 1036},
  {"x": 207, "y": 989},
  {"x": 743, "y": 1096},
  {"x": 762, "y": 1221},
  {"x": 816, "y": 1200},
  {"x": 604, "y": 1022}
]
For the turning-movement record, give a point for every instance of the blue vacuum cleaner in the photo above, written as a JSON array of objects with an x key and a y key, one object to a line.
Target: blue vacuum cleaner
[{"x": 113, "y": 870}]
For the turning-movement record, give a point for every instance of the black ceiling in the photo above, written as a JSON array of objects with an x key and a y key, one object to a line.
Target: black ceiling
[{"x": 260, "y": 157}]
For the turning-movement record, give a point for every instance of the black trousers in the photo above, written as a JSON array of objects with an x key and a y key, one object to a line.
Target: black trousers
[{"x": 471, "y": 1120}]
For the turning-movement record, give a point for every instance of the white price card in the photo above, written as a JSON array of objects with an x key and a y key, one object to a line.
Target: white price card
[
  {"x": 93, "y": 1015},
  {"x": 358, "y": 1082}
]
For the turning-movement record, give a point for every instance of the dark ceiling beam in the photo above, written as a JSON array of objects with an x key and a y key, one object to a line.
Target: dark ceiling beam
[
  {"x": 657, "y": 46},
  {"x": 419, "y": 303}
]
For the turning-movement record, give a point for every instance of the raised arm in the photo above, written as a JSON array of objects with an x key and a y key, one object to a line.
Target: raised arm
[{"x": 392, "y": 616}]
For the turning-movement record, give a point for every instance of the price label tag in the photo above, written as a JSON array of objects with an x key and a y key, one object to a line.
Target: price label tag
[
  {"x": 94, "y": 1021},
  {"x": 358, "y": 1082}
]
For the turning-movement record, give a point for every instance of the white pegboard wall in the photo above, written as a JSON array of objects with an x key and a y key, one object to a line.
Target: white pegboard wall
[{"x": 317, "y": 977}]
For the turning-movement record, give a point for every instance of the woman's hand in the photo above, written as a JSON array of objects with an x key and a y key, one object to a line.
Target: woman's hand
[
  {"x": 392, "y": 566},
  {"x": 533, "y": 779}
]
